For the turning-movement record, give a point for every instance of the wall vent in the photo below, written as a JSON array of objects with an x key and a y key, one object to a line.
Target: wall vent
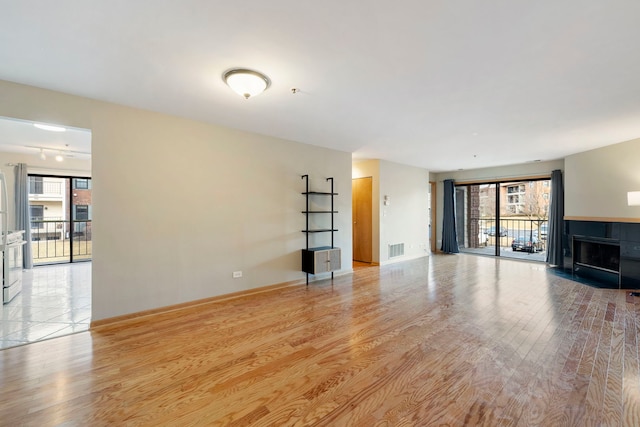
[{"x": 396, "y": 250}]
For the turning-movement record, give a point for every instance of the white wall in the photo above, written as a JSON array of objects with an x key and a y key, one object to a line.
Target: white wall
[
  {"x": 406, "y": 218},
  {"x": 489, "y": 174},
  {"x": 597, "y": 182},
  {"x": 234, "y": 201}
]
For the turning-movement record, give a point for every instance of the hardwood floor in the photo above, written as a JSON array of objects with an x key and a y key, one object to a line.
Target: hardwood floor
[{"x": 451, "y": 340}]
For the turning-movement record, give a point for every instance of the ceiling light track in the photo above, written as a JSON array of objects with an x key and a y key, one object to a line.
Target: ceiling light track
[{"x": 58, "y": 153}]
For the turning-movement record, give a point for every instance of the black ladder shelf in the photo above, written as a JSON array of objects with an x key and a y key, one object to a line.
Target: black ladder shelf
[{"x": 319, "y": 259}]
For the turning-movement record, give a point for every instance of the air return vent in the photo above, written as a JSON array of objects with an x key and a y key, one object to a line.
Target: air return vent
[{"x": 396, "y": 250}]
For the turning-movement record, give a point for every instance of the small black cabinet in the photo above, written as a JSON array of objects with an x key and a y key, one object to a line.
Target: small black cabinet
[{"x": 320, "y": 259}]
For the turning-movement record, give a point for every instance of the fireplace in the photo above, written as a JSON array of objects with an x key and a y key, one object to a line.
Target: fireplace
[
  {"x": 604, "y": 253},
  {"x": 593, "y": 255}
]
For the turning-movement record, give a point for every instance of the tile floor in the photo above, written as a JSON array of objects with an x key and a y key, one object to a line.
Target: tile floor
[{"x": 55, "y": 300}]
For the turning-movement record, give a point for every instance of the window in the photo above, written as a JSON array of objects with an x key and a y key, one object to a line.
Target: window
[
  {"x": 37, "y": 215},
  {"x": 81, "y": 184},
  {"x": 519, "y": 188},
  {"x": 81, "y": 212},
  {"x": 515, "y": 198},
  {"x": 35, "y": 185}
]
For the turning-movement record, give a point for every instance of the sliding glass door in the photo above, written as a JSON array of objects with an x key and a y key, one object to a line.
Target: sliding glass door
[
  {"x": 507, "y": 219},
  {"x": 60, "y": 210}
]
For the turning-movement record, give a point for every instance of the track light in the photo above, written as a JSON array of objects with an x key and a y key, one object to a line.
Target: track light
[{"x": 58, "y": 154}]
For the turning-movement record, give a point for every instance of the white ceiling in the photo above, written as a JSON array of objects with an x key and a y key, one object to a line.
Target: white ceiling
[
  {"x": 18, "y": 136},
  {"x": 442, "y": 84}
]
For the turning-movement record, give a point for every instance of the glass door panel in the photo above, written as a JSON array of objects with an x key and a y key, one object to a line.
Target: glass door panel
[
  {"x": 81, "y": 214},
  {"x": 476, "y": 219},
  {"x": 48, "y": 204},
  {"x": 524, "y": 211}
]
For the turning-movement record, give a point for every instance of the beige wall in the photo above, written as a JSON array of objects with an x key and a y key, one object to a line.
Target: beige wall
[
  {"x": 597, "y": 182},
  {"x": 179, "y": 205},
  {"x": 505, "y": 173},
  {"x": 406, "y": 217}
]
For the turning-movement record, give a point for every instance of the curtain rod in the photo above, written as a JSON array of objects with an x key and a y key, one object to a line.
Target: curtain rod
[
  {"x": 45, "y": 168},
  {"x": 493, "y": 179}
]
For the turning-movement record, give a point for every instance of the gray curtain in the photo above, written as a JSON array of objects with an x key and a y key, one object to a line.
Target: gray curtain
[
  {"x": 555, "y": 255},
  {"x": 23, "y": 214},
  {"x": 449, "y": 236}
]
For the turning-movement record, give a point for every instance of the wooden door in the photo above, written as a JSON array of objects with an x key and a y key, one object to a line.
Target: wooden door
[{"x": 362, "y": 189}]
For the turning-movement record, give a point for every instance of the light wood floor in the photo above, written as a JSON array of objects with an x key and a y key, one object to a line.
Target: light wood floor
[{"x": 452, "y": 340}]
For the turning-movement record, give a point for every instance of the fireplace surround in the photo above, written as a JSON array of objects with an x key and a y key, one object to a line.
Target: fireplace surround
[{"x": 605, "y": 252}]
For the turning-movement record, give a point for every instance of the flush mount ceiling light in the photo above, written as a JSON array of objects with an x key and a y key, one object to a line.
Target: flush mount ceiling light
[
  {"x": 51, "y": 128},
  {"x": 246, "y": 83}
]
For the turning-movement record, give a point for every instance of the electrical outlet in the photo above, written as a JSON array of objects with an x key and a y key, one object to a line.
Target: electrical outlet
[{"x": 237, "y": 274}]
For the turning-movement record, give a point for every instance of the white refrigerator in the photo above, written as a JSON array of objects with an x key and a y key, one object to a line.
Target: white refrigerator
[
  {"x": 3, "y": 212},
  {"x": 10, "y": 249}
]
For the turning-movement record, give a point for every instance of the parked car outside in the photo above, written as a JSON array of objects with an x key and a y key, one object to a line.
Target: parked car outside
[
  {"x": 526, "y": 243},
  {"x": 491, "y": 231},
  {"x": 543, "y": 230}
]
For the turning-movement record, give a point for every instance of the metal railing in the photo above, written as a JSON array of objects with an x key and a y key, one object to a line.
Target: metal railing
[
  {"x": 488, "y": 234},
  {"x": 46, "y": 188},
  {"x": 54, "y": 241}
]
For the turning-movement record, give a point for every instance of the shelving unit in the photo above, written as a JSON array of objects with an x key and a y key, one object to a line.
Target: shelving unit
[{"x": 320, "y": 259}]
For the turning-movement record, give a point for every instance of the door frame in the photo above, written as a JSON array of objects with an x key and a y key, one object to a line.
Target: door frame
[{"x": 370, "y": 231}]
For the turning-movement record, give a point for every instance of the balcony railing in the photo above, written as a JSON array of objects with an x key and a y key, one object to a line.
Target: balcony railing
[
  {"x": 488, "y": 233},
  {"x": 55, "y": 241},
  {"x": 46, "y": 189}
]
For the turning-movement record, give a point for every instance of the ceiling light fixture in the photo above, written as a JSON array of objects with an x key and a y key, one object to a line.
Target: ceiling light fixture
[
  {"x": 51, "y": 128},
  {"x": 58, "y": 153},
  {"x": 246, "y": 83}
]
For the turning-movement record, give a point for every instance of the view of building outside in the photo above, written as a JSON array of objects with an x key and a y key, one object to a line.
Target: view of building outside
[
  {"x": 523, "y": 217},
  {"x": 60, "y": 218}
]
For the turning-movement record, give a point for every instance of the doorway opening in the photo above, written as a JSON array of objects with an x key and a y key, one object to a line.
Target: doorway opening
[{"x": 55, "y": 296}]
